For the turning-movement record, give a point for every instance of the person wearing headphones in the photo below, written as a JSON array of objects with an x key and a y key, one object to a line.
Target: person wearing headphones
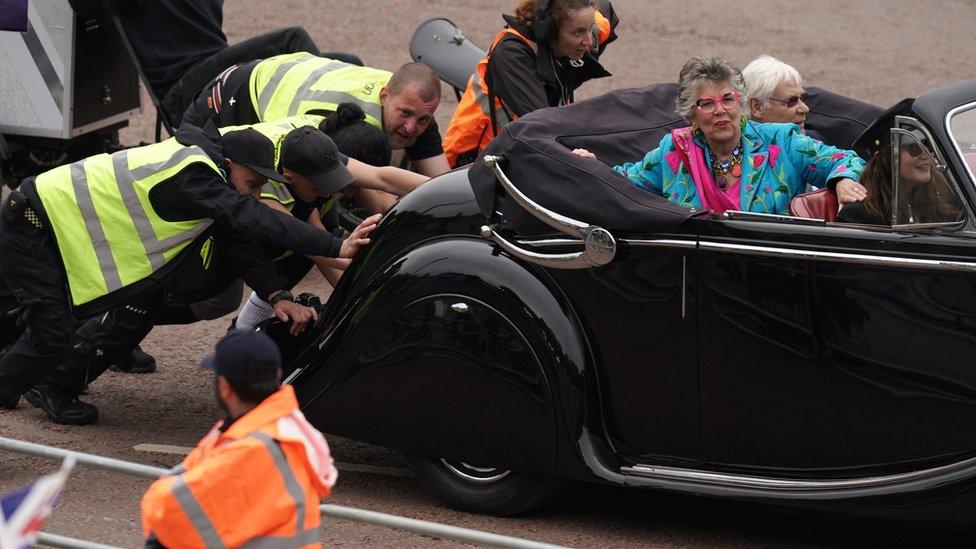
[{"x": 546, "y": 51}]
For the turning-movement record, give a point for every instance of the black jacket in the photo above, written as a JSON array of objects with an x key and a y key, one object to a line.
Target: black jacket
[
  {"x": 197, "y": 192},
  {"x": 168, "y": 36},
  {"x": 526, "y": 81}
]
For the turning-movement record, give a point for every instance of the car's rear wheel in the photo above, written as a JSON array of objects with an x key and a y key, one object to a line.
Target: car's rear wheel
[{"x": 479, "y": 489}]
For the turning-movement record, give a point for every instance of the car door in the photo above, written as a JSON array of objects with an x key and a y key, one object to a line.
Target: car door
[
  {"x": 837, "y": 351},
  {"x": 632, "y": 295},
  {"x": 639, "y": 314}
]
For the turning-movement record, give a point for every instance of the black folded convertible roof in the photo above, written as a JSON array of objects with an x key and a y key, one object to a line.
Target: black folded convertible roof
[{"x": 619, "y": 126}]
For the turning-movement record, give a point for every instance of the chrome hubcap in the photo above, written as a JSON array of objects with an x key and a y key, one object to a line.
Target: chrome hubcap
[{"x": 474, "y": 474}]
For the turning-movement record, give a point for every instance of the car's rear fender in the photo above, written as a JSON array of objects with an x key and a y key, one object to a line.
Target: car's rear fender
[{"x": 454, "y": 350}]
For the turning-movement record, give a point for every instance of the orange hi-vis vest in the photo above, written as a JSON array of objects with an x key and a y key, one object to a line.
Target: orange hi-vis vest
[
  {"x": 257, "y": 484},
  {"x": 470, "y": 128}
]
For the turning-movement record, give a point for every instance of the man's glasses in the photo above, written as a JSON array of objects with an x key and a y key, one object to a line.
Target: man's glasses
[
  {"x": 709, "y": 104},
  {"x": 791, "y": 101}
]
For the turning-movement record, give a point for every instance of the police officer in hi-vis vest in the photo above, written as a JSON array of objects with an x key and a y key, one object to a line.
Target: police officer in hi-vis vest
[
  {"x": 402, "y": 104},
  {"x": 314, "y": 171},
  {"x": 89, "y": 236}
]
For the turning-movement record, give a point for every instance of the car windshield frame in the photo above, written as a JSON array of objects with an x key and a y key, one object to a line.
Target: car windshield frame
[{"x": 956, "y": 144}]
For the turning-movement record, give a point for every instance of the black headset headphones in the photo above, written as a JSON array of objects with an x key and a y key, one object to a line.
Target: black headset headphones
[{"x": 544, "y": 28}]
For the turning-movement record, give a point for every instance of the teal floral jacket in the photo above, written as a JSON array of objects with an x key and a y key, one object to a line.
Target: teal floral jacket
[{"x": 778, "y": 162}]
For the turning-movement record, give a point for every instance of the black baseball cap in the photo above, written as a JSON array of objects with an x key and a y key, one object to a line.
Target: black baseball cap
[
  {"x": 878, "y": 135},
  {"x": 250, "y": 148},
  {"x": 245, "y": 355},
  {"x": 309, "y": 152}
]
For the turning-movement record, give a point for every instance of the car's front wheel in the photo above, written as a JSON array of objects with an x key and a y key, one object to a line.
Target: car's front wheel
[{"x": 486, "y": 490}]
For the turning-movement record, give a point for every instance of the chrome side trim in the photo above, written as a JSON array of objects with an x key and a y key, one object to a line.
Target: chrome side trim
[
  {"x": 739, "y": 215},
  {"x": 767, "y": 483},
  {"x": 837, "y": 257},
  {"x": 662, "y": 243},
  {"x": 637, "y": 243},
  {"x": 545, "y": 243},
  {"x": 575, "y": 260}
]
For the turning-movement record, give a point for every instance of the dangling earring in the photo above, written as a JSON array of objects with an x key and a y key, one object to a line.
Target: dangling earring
[
  {"x": 695, "y": 130},
  {"x": 742, "y": 122}
]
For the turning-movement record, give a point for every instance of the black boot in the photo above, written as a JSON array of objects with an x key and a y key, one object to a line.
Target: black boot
[
  {"x": 60, "y": 406},
  {"x": 136, "y": 362},
  {"x": 11, "y": 402}
]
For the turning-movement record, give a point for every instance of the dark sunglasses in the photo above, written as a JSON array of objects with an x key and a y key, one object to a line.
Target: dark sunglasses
[
  {"x": 791, "y": 101},
  {"x": 913, "y": 149}
]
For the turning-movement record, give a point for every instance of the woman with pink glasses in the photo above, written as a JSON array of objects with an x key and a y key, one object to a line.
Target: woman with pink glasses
[{"x": 726, "y": 162}]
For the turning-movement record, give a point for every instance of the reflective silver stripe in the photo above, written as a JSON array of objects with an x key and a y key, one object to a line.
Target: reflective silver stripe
[
  {"x": 326, "y": 96},
  {"x": 307, "y": 537},
  {"x": 279, "y": 191},
  {"x": 195, "y": 513},
  {"x": 106, "y": 262},
  {"x": 330, "y": 96},
  {"x": 291, "y": 483},
  {"x": 126, "y": 181},
  {"x": 268, "y": 92},
  {"x": 501, "y": 116}
]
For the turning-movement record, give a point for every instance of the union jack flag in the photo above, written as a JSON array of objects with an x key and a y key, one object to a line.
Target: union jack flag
[{"x": 22, "y": 513}]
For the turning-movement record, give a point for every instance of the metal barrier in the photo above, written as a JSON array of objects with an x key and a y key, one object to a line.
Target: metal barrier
[{"x": 423, "y": 527}]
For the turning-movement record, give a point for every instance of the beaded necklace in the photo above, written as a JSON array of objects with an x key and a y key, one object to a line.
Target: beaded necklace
[{"x": 731, "y": 165}]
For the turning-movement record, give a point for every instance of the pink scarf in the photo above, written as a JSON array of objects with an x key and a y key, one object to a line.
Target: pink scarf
[{"x": 693, "y": 157}]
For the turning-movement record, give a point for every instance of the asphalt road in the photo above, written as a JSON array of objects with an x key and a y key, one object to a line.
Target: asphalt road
[{"x": 877, "y": 51}]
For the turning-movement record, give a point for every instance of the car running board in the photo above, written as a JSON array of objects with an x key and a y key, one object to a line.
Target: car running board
[{"x": 796, "y": 488}]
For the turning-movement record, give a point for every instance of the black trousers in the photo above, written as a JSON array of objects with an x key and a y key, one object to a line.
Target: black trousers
[
  {"x": 31, "y": 271},
  {"x": 277, "y": 42},
  {"x": 102, "y": 341}
]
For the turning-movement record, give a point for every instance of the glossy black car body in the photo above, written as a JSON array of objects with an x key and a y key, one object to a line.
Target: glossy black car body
[{"x": 767, "y": 358}]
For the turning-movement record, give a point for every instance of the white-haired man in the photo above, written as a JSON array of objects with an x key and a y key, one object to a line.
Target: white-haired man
[{"x": 776, "y": 92}]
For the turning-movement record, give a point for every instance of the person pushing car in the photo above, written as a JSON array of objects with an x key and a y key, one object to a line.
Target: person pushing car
[
  {"x": 402, "y": 103},
  {"x": 88, "y": 236}
]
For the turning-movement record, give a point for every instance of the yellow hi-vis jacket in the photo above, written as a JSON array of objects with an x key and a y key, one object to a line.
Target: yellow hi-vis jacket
[
  {"x": 107, "y": 231},
  {"x": 302, "y": 83},
  {"x": 257, "y": 484}
]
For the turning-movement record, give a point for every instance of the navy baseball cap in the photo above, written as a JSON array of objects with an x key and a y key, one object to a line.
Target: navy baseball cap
[
  {"x": 245, "y": 355},
  {"x": 309, "y": 152},
  {"x": 250, "y": 148}
]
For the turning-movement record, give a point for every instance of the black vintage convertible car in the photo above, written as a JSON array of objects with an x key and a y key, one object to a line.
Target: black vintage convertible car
[{"x": 535, "y": 319}]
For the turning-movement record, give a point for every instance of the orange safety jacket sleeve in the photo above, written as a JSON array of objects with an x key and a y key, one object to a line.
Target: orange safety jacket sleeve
[
  {"x": 230, "y": 497},
  {"x": 513, "y": 66},
  {"x": 606, "y": 23}
]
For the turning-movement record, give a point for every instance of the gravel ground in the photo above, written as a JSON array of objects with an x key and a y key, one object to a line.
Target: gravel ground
[{"x": 876, "y": 51}]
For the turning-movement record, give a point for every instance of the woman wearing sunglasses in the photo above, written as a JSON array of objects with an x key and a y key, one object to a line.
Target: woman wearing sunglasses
[
  {"x": 924, "y": 196},
  {"x": 727, "y": 162}
]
